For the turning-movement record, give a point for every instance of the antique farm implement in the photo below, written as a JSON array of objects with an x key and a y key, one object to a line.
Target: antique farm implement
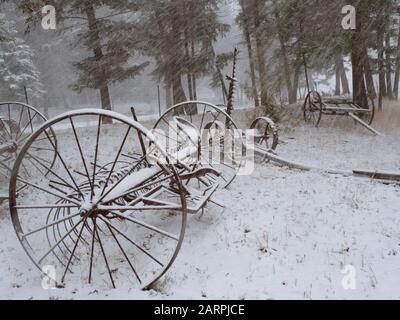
[
  {"x": 17, "y": 122},
  {"x": 106, "y": 198},
  {"x": 114, "y": 204},
  {"x": 315, "y": 107}
]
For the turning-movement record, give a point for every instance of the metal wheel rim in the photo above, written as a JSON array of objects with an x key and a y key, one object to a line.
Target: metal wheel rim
[
  {"x": 309, "y": 106},
  {"x": 172, "y": 111},
  {"x": 114, "y": 116},
  {"x": 270, "y": 132},
  {"x": 25, "y": 128}
]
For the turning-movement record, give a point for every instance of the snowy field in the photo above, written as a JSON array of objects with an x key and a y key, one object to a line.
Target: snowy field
[{"x": 285, "y": 234}]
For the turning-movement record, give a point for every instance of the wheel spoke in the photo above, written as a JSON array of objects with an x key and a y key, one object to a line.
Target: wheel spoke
[
  {"x": 48, "y": 191},
  {"x": 19, "y": 122},
  {"x": 64, "y": 164},
  {"x": 59, "y": 241},
  {"x": 122, "y": 250},
  {"x": 92, "y": 249},
  {"x": 147, "y": 226},
  {"x": 105, "y": 258},
  {"x": 46, "y": 206},
  {"x": 56, "y": 231},
  {"x": 27, "y": 125},
  {"x": 137, "y": 246},
  {"x": 73, "y": 250},
  {"x": 47, "y": 225},
  {"x": 82, "y": 156}
]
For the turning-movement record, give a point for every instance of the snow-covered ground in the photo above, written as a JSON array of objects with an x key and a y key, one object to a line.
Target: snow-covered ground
[{"x": 285, "y": 234}]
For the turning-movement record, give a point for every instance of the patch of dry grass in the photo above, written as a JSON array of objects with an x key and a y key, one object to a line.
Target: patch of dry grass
[{"x": 389, "y": 118}]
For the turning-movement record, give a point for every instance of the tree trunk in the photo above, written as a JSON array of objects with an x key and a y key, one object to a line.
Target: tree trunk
[
  {"x": 101, "y": 73},
  {"x": 285, "y": 59},
  {"x": 338, "y": 74},
  {"x": 178, "y": 92},
  {"x": 286, "y": 70},
  {"x": 260, "y": 49},
  {"x": 388, "y": 68},
  {"x": 345, "y": 81},
  {"x": 177, "y": 88},
  {"x": 250, "y": 53},
  {"x": 296, "y": 79},
  {"x": 188, "y": 62},
  {"x": 357, "y": 58},
  {"x": 359, "y": 89},
  {"x": 190, "y": 86},
  {"x": 194, "y": 81},
  {"x": 168, "y": 94},
  {"x": 381, "y": 68},
  {"x": 222, "y": 81},
  {"x": 397, "y": 74},
  {"x": 368, "y": 75}
]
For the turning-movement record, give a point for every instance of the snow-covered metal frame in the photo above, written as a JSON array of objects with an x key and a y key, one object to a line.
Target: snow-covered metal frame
[
  {"x": 116, "y": 195},
  {"x": 315, "y": 107},
  {"x": 266, "y": 134},
  {"x": 17, "y": 122},
  {"x": 210, "y": 121}
]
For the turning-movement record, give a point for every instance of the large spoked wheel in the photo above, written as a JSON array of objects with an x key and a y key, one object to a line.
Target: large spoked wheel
[
  {"x": 265, "y": 134},
  {"x": 17, "y": 122},
  {"x": 370, "y": 115},
  {"x": 108, "y": 211},
  {"x": 220, "y": 146},
  {"x": 312, "y": 108}
]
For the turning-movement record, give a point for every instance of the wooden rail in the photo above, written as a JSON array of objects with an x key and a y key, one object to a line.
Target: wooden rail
[
  {"x": 379, "y": 176},
  {"x": 364, "y": 124}
]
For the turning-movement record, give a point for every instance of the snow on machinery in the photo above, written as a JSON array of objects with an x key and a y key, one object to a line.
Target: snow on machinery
[
  {"x": 115, "y": 195},
  {"x": 17, "y": 122},
  {"x": 113, "y": 204},
  {"x": 315, "y": 107}
]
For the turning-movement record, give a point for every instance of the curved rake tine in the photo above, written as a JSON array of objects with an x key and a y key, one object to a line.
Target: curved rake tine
[
  {"x": 59, "y": 241},
  {"x": 64, "y": 164}
]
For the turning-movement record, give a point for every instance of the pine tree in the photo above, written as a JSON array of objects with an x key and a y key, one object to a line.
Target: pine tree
[
  {"x": 179, "y": 35},
  {"x": 17, "y": 67},
  {"x": 107, "y": 39},
  {"x": 243, "y": 19}
]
